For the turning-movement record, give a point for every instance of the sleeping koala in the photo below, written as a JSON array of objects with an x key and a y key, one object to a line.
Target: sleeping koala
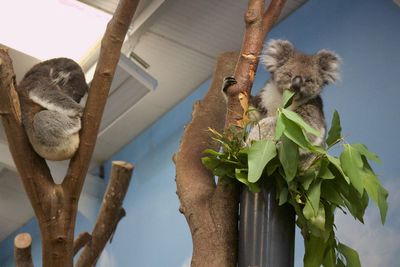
[
  {"x": 305, "y": 75},
  {"x": 50, "y": 93}
]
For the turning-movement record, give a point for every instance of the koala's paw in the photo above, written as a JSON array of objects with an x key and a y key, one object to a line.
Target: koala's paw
[
  {"x": 75, "y": 112},
  {"x": 228, "y": 81}
]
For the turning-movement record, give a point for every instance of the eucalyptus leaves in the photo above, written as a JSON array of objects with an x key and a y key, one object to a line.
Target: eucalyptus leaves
[{"x": 326, "y": 184}]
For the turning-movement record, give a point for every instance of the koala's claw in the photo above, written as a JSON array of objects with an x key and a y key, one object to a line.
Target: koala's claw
[{"x": 228, "y": 81}]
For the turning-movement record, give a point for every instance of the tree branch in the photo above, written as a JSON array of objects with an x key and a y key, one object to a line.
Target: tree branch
[
  {"x": 109, "y": 56},
  {"x": 258, "y": 24},
  {"x": 81, "y": 241},
  {"x": 56, "y": 205},
  {"x": 110, "y": 214},
  {"x": 22, "y": 250},
  {"x": 196, "y": 185},
  {"x": 272, "y": 14},
  {"x": 33, "y": 169}
]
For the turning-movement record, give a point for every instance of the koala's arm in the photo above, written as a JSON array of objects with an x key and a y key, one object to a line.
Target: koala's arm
[{"x": 52, "y": 98}]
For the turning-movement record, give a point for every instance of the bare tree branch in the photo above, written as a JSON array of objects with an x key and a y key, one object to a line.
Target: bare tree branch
[
  {"x": 22, "y": 250},
  {"x": 81, "y": 241},
  {"x": 258, "y": 24},
  {"x": 32, "y": 168},
  {"x": 56, "y": 205},
  {"x": 98, "y": 93},
  {"x": 110, "y": 214}
]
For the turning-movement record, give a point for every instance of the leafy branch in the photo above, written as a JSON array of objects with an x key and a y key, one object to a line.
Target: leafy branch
[{"x": 307, "y": 177}]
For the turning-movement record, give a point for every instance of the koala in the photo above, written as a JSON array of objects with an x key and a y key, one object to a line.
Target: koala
[
  {"x": 305, "y": 75},
  {"x": 50, "y": 93}
]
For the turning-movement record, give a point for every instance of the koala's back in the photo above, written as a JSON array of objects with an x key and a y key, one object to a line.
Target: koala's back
[{"x": 49, "y": 95}]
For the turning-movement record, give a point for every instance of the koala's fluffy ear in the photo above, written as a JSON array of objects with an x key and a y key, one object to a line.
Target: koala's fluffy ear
[
  {"x": 276, "y": 54},
  {"x": 329, "y": 63}
]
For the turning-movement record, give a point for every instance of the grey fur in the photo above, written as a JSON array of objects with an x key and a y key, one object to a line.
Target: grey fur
[
  {"x": 50, "y": 93},
  {"x": 285, "y": 64}
]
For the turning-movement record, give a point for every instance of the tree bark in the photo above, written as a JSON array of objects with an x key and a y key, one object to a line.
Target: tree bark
[
  {"x": 258, "y": 24},
  {"x": 110, "y": 213},
  {"x": 22, "y": 250},
  {"x": 81, "y": 241},
  {"x": 56, "y": 205},
  {"x": 210, "y": 209}
]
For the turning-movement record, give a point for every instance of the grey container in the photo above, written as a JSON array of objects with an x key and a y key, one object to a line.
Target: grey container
[{"x": 266, "y": 231}]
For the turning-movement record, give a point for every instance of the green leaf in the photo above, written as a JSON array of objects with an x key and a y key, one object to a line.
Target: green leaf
[
  {"x": 241, "y": 176},
  {"x": 283, "y": 196},
  {"x": 272, "y": 166},
  {"x": 307, "y": 178},
  {"x": 286, "y": 98},
  {"x": 296, "y": 118},
  {"x": 336, "y": 163},
  {"x": 260, "y": 153},
  {"x": 319, "y": 219},
  {"x": 314, "y": 251},
  {"x": 294, "y": 132},
  {"x": 313, "y": 198},
  {"x": 363, "y": 150},
  {"x": 335, "y": 131},
  {"x": 212, "y": 152},
  {"x": 324, "y": 171},
  {"x": 329, "y": 193},
  {"x": 352, "y": 165},
  {"x": 375, "y": 190},
  {"x": 330, "y": 258},
  {"x": 210, "y": 162},
  {"x": 289, "y": 157},
  {"x": 279, "y": 127},
  {"x": 350, "y": 254},
  {"x": 355, "y": 203}
]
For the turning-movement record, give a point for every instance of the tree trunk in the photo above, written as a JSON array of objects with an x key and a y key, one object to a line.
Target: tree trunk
[{"x": 211, "y": 209}]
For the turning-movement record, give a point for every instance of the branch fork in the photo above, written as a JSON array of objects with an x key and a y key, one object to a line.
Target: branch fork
[{"x": 56, "y": 205}]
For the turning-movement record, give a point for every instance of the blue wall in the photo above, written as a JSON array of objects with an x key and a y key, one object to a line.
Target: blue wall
[{"x": 366, "y": 34}]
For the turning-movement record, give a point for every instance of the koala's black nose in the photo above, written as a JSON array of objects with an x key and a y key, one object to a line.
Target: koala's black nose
[{"x": 296, "y": 83}]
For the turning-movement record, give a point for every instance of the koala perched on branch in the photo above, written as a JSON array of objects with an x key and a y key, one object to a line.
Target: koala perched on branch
[
  {"x": 305, "y": 75},
  {"x": 50, "y": 93}
]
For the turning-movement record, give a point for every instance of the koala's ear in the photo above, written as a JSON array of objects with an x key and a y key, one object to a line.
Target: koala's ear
[
  {"x": 329, "y": 63},
  {"x": 276, "y": 53}
]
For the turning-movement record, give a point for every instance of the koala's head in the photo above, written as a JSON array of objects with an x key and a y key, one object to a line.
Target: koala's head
[
  {"x": 304, "y": 74},
  {"x": 68, "y": 75}
]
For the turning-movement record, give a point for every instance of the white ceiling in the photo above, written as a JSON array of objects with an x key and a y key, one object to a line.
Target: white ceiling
[{"x": 180, "y": 40}]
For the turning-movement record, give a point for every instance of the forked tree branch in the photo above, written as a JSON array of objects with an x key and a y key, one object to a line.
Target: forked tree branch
[
  {"x": 258, "y": 24},
  {"x": 98, "y": 93},
  {"x": 111, "y": 212},
  {"x": 211, "y": 210},
  {"x": 22, "y": 250},
  {"x": 56, "y": 205}
]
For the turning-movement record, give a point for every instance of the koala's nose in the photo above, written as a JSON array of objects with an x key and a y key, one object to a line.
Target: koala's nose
[{"x": 296, "y": 83}]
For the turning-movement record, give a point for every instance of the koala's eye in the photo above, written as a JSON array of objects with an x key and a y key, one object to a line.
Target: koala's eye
[
  {"x": 309, "y": 80},
  {"x": 289, "y": 75}
]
